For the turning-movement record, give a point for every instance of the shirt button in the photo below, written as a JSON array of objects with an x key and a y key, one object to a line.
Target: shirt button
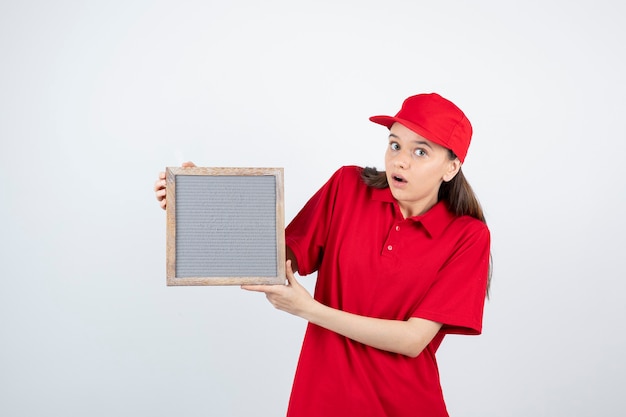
[
  {"x": 397, "y": 228},
  {"x": 389, "y": 247}
]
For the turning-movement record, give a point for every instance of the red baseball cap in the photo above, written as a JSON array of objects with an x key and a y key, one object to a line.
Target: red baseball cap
[{"x": 436, "y": 119}]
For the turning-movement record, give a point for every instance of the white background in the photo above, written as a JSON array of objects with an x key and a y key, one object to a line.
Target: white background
[{"x": 97, "y": 97}]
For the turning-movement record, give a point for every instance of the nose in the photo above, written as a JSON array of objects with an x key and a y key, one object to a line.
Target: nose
[{"x": 401, "y": 161}]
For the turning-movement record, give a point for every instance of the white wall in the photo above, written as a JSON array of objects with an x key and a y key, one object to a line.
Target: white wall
[{"x": 97, "y": 97}]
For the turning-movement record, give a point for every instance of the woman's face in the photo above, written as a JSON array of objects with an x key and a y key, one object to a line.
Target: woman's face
[{"x": 415, "y": 169}]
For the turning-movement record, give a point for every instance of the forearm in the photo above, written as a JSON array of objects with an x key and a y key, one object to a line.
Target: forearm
[{"x": 408, "y": 337}]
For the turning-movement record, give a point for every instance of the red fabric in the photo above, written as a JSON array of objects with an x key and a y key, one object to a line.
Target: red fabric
[
  {"x": 372, "y": 262},
  {"x": 435, "y": 118}
]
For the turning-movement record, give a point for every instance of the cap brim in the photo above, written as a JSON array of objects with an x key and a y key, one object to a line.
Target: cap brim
[{"x": 388, "y": 121}]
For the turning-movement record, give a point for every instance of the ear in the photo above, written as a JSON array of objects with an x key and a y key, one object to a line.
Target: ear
[{"x": 453, "y": 169}]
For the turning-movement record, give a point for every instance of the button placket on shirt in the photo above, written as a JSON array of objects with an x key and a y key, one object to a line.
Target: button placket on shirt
[{"x": 392, "y": 238}]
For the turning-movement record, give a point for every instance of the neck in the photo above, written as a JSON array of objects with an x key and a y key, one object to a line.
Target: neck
[{"x": 416, "y": 208}]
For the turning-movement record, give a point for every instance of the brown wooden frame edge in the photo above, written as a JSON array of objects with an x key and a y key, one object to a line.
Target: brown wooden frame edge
[{"x": 170, "y": 177}]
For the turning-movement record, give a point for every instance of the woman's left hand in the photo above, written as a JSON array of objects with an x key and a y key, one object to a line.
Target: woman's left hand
[
  {"x": 407, "y": 337},
  {"x": 292, "y": 297}
]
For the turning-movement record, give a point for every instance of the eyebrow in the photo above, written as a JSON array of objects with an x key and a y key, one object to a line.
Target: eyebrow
[{"x": 419, "y": 142}]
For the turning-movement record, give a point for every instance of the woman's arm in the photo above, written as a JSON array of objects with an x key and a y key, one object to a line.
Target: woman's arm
[{"x": 408, "y": 337}]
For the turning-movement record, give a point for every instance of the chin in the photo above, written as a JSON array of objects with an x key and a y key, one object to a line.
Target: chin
[{"x": 397, "y": 194}]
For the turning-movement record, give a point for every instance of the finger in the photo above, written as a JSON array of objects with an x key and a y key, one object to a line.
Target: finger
[
  {"x": 162, "y": 175},
  {"x": 188, "y": 164},
  {"x": 159, "y": 184},
  {"x": 161, "y": 194},
  {"x": 257, "y": 288},
  {"x": 291, "y": 278}
]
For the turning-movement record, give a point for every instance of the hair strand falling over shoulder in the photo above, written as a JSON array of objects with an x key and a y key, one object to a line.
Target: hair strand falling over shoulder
[{"x": 457, "y": 193}]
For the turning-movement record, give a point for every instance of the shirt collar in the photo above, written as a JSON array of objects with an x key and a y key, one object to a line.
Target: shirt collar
[{"x": 434, "y": 220}]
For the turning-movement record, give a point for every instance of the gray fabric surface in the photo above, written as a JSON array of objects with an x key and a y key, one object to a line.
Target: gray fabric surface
[{"x": 225, "y": 226}]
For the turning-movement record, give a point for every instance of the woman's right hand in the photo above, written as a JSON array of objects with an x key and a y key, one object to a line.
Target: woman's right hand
[{"x": 160, "y": 184}]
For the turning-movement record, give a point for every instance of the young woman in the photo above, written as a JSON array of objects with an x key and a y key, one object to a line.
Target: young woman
[{"x": 402, "y": 258}]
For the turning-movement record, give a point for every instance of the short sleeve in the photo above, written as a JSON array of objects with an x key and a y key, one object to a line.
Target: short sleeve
[
  {"x": 307, "y": 233},
  {"x": 457, "y": 296}
]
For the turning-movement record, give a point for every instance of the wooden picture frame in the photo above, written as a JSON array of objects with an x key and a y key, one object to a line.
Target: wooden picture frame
[{"x": 225, "y": 226}]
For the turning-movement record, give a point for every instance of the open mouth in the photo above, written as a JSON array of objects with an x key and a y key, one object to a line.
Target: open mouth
[{"x": 398, "y": 178}]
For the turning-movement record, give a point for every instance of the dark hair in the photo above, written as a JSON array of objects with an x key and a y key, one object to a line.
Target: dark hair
[{"x": 457, "y": 193}]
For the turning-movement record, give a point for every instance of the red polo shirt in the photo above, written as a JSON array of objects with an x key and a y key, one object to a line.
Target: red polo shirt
[{"x": 373, "y": 262}]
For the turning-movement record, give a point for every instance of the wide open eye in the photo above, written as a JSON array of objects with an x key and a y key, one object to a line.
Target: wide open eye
[
  {"x": 419, "y": 152},
  {"x": 394, "y": 146}
]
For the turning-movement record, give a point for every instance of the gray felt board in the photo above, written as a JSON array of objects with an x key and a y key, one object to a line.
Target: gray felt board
[{"x": 226, "y": 226}]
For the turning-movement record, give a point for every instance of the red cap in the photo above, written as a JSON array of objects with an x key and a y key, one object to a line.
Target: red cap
[{"x": 434, "y": 118}]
